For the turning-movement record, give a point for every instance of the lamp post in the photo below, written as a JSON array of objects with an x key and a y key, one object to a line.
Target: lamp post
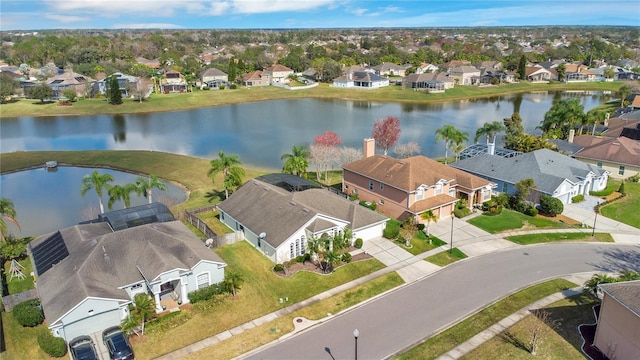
[
  {"x": 593, "y": 232},
  {"x": 451, "y": 242},
  {"x": 356, "y": 333}
]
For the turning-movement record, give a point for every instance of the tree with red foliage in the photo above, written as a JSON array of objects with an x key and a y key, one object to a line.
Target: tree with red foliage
[
  {"x": 327, "y": 138},
  {"x": 386, "y": 132}
]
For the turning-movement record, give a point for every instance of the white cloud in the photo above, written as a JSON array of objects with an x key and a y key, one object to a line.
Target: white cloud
[
  {"x": 270, "y": 6},
  {"x": 147, "y": 26},
  {"x": 66, "y": 18},
  {"x": 359, "y": 11}
]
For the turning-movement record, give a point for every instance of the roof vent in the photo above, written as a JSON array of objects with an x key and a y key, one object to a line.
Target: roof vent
[
  {"x": 305, "y": 210},
  {"x": 292, "y": 203}
]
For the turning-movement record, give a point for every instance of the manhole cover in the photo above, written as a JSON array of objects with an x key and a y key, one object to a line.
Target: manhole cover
[{"x": 299, "y": 320}]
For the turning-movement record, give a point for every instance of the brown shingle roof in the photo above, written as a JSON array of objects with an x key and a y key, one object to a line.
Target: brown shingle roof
[
  {"x": 620, "y": 150},
  {"x": 626, "y": 293},
  {"x": 408, "y": 174}
]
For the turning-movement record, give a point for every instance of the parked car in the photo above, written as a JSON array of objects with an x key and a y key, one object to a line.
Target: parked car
[
  {"x": 82, "y": 348},
  {"x": 117, "y": 344}
]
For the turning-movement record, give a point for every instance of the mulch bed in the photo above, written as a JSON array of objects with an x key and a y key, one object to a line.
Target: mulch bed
[
  {"x": 588, "y": 333},
  {"x": 310, "y": 266}
]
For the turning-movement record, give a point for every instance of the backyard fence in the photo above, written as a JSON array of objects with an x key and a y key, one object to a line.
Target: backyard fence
[{"x": 201, "y": 225}]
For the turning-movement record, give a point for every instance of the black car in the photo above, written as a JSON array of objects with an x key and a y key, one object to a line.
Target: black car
[
  {"x": 117, "y": 344},
  {"x": 82, "y": 348}
]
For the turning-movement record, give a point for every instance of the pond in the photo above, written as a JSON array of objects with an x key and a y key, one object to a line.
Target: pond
[{"x": 47, "y": 200}]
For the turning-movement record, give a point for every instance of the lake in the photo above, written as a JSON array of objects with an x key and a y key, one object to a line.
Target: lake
[
  {"x": 261, "y": 132},
  {"x": 258, "y": 132}
]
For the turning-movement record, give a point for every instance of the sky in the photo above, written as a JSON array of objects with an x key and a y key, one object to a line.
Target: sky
[{"x": 297, "y": 14}]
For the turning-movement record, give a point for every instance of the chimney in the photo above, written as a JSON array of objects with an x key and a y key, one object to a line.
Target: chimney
[
  {"x": 491, "y": 148},
  {"x": 572, "y": 133},
  {"x": 369, "y": 148}
]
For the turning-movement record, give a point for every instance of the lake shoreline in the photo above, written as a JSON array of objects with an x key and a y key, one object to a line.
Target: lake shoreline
[{"x": 211, "y": 98}]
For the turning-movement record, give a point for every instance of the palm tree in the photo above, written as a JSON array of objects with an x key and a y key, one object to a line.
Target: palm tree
[
  {"x": 143, "y": 309},
  {"x": 97, "y": 182},
  {"x": 233, "y": 280},
  {"x": 146, "y": 186},
  {"x": 313, "y": 245},
  {"x": 7, "y": 213},
  {"x": 446, "y": 133},
  {"x": 297, "y": 162},
  {"x": 524, "y": 188},
  {"x": 489, "y": 130},
  {"x": 121, "y": 192},
  {"x": 231, "y": 171},
  {"x": 591, "y": 285},
  {"x": 332, "y": 258},
  {"x": 457, "y": 149},
  {"x": 429, "y": 216},
  {"x": 624, "y": 91}
]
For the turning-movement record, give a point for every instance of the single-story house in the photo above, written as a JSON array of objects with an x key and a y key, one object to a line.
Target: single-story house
[
  {"x": 278, "y": 73},
  {"x": 411, "y": 186},
  {"x": 124, "y": 82},
  {"x": 618, "y": 330},
  {"x": 173, "y": 82},
  {"x": 279, "y": 222},
  {"x": 360, "y": 80},
  {"x": 554, "y": 174},
  {"x": 432, "y": 82},
  {"x": 70, "y": 80},
  {"x": 538, "y": 74},
  {"x": 256, "y": 78},
  {"x": 88, "y": 274},
  {"x": 578, "y": 73}
]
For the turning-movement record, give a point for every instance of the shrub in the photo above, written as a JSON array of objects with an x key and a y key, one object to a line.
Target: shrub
[
  {"x": 578, "y": 198},
  {"x": 461, "y": 212},
  {"x": 205, "y": 293},
  {"x": 371, "y": 205},
  {"x": 167, "y": 322},
  {"x": 391, "y": 231},
  {"x": 346, "y": 257},
  {"x": 421, "y": 227},
  {"x": 221, "y": 87},
  {"x": 233, "y": 86},
  {"x": 70, "y": 94},
  {"x": 550, "y": 205},
  {"x": 300, "y": 258},
  {"x": 353, "y": 197},
  {"x": 621, "y": 188},
  {"x": 635, "y": 178},
  {"x": 53, "y": 346},
  {"x": 205, "y": 88},
  {"x": 359, "y": 243},
  {"x": 28, "y": 313},
  {"x": 531, "y": 211},
  {"x": 278, "y": 267}
]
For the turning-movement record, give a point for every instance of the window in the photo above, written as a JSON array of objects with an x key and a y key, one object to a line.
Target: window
[
  {"x": 346, "y": 186},
  {"x": 370, "y": 184},
  {"x": 599, "y": 164},
  {"x": 221, "y": 216},
  {"x": 355, "y": 191},
  {"x": 291, "y": 253},
  {"x": 621, "y": 170},
  {"x": 381, "y": 186},
  {"x": 452, "y": 192},
  {"x": 302, "y": 245},
  {"x": 202, "y": 280},
  {"x": 136, "y": 286},
  {"x": 298, "y": 246},
  {"x": 504, "y": 187},
  {"x": 438, "y": 189},
  {"x": 419, "y": 194}
]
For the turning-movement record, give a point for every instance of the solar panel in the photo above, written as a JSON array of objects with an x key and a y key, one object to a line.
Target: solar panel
[
  {"x": 136, "y": 216},
  {"x": 49, "y": 252}
]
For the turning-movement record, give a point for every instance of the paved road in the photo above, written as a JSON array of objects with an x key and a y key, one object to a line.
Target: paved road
[{"x": 391, "y": 323}]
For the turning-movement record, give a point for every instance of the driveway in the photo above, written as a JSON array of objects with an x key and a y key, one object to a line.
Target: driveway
[{"x": 399, "y": 320}]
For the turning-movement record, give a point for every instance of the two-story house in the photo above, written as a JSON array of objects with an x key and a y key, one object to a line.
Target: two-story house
[
  {"x": 411, "y": 186},
  {"x": 278, "y": 73},
  {"x": 465, "y": 75}
]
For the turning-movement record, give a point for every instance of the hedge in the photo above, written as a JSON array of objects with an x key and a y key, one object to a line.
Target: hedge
[
  {"x": 53, "y": 346},
  {"x": 205, "y": 293},
  {"x": 28, "y": 313},
  {"x": 359, "y": 243}
]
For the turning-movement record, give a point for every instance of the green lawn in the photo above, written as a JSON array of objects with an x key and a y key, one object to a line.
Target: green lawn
[
  {"x": 464, "y": 330},
  {"x": 271, "y": 331},
  {"x": 626, "y": 209},
  {"x": 445, "y": 258},
  {"x": 420, "y": 243},
  {"x": 16, "y": 285},
  {"x": 562, "y": 343},
  {"x": 512, "y": 220},
  {"x": 529, "y": 239},
  {"x": 213, "y": 221},
  {"x": 259, "y": 295},
  {"x": 172, "y": 102},
  {"x": 21, "y": 341}
]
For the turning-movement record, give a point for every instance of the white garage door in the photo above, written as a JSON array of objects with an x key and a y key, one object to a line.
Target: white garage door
[{"x": 92, "y": 324}]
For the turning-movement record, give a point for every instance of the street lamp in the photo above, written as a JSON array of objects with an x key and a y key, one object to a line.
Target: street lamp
[
  {"x": 593, "y": 232},
  {"x": 356, "y": 333},
  {"x": 451, "y": 242}
]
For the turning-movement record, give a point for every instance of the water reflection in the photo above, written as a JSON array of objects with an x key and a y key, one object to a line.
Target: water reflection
[
  {"x": 261, "y": 132},
  {"x": 49, "y": 199}
]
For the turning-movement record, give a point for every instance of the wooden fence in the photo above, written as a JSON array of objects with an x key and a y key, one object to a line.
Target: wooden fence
[{"x": 201, "y": 225}]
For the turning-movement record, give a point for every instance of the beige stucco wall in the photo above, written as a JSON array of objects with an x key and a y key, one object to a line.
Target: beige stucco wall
[
  {"x": 629, "y": 170},
  {"x": 618, "y": 331}
]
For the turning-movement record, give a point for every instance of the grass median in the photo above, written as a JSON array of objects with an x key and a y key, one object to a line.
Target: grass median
[
  {"x": 529, "y": 239},
  {"x": 469, "y": 327},
  {"x": 512, "y": 220}
]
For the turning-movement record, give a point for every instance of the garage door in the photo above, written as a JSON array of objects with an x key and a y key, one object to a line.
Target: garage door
[{"x": 92, "y": 324}]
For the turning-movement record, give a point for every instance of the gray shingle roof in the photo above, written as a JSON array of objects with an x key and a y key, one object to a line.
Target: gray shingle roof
[
  {"x": 100, "y": 261},
  {"x": 626, "y": 293},
  {"x": 547, "y": 168},
  {"x": 261, "y": 207}
]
